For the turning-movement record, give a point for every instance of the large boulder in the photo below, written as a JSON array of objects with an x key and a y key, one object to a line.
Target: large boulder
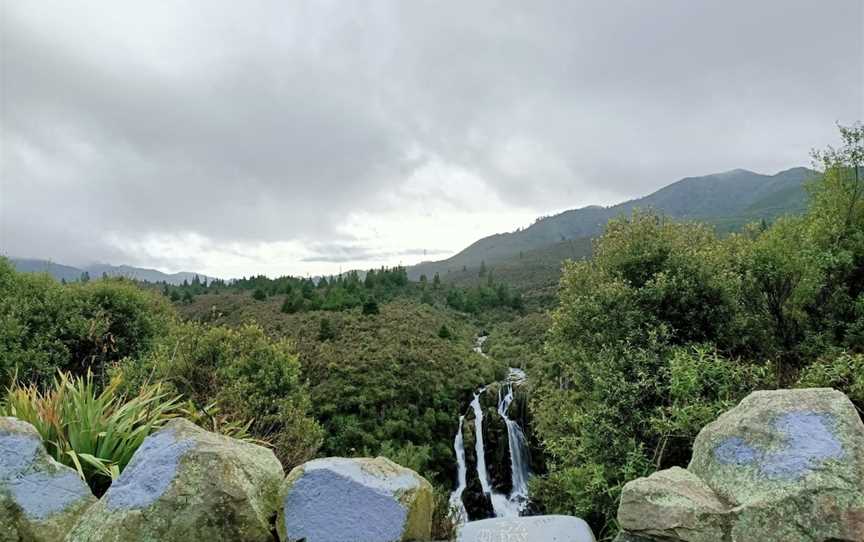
[
  {"x": 783, "y": 466},
  {"x": 527, "y": 529},
  {"x": 361, "y": 500},
  {"x": 40, "y": 499},
  {"x": 186, "y": 484}
]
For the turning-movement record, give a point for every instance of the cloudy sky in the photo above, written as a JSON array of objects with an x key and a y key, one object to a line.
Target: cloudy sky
[{"x": 234, "y": 138}]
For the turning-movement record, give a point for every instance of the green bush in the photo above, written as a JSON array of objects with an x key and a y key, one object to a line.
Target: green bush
[
  {"x": 46, "y": 326},
  {"x": 94, "y": 432},
  {"x": 669, "y": 325},
  {"x": 844, "y": 372},
  {"x": 248, "y": 375}
]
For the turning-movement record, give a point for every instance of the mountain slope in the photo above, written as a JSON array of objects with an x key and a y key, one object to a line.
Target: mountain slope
[
  {"x": 69, "y": 273},
  {"x": 729, "y": 199}
]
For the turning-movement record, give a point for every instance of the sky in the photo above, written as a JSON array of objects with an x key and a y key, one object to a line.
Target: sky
[{"x": 290, "y": 137}]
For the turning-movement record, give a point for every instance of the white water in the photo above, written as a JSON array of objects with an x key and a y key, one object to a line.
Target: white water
[
  {"x": 520, "y": 463},
  {"x": 456, "y": 496},
  {"x": 502, "y": 505},
  {"x": 479, "y": 449}
]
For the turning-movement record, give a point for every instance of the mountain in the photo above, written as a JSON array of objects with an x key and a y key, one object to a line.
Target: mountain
[
  {"x": 729, "y": 200},
  {"x": 69, "y": 273},
  {"x": 56, "y": 270}
]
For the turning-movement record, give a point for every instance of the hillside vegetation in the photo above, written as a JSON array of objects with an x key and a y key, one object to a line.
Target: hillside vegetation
[
  {"x": 730, "y": 200},
  {"x": 669, "y": 324}
]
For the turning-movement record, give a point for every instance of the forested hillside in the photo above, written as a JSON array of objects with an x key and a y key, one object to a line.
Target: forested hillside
[{"x": 729, "y": 200}]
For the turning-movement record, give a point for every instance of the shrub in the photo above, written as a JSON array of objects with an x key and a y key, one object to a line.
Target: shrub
[
  {"x": 46, "y": 326},
  {"x": 844, "y": 372},
  {"x": 94, "y": 432},
  {"x": 248, "y": 375}
]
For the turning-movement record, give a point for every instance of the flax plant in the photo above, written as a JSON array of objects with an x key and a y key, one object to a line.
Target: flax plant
[{"x": 95, "y": 432}]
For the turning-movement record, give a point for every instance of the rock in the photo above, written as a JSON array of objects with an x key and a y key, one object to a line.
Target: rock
[
  {"x": 782, "y": 466},
  {"x": 361, "y": 500},
  {"x": 527, "y": 529},
  {"x": 40, "y": 499},
  {"x": 673, "y": 502},
  {"x": 628, "y": 537},
  {"x": 187, "y": 484}
]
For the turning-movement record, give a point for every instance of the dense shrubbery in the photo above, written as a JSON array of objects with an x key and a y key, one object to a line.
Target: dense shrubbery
[
  {"x": 383, "y": 383},
  {"x": 114, "y": 327},
  {"x": 249, "y": 376},
  {"x": 46, "y": 326},
  {"x": 669, "y": 325}
]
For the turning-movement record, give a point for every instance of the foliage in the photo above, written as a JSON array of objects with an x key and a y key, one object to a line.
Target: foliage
[
  {"x": 444, "y": 521},
  {"x": 669, "y": 325},
  {"x": 95, "y": 432},
  {"x": 843, "y": 372},
  {"x": 249, "y": 376},
  {"x": 46, "y": 326},
  {"x": 383, "y": 384}
]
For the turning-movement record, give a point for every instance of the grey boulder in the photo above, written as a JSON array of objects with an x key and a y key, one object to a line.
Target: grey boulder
[
  {"x": 359, "y": 500},
  {"x": 40, "y": 499},
  {"x": 185, "y": 484},
  {"x": 527, "y": 529},
  {"x": 782, "y": 466}
]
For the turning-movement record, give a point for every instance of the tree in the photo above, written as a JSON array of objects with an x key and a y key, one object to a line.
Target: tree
[
  {"x": 259, "y": 294},
  {"x": 444, "y": 332},
  {"x": 436, "y": 281},
  {"x": 370, "y": 306},
  {"x": 325, "y": 330},
  {"x": 482, "y": 268}
]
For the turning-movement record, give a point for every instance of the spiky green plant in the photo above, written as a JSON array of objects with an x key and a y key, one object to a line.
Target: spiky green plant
[{"x": 95, "y": 432}]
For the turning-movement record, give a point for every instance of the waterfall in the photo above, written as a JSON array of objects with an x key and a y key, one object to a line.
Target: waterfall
[
  {"x": 480, "y": 450},
  {"x": 520, "y": 462},
  {"x": 502, "y": 505},
  {"x": 462, "y": 475}
]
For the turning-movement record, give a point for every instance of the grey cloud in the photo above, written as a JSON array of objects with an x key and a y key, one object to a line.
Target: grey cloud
[
  {"x": 335, "y": 253},
  {"x": 271, "y": 122}
]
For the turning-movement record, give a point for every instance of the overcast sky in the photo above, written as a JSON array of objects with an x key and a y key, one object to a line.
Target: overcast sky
[{"x": 234, "y": 138}]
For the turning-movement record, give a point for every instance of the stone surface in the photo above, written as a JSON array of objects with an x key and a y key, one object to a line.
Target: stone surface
[
  {"x": 40, "y": 499},
  {"x": 782, "y": 466},
  {"x": 673, "y": 502},
  {"x": 358, "y": 500},
  {"x": 527, "y": 529},
  {"x": 187, "y": 484}
]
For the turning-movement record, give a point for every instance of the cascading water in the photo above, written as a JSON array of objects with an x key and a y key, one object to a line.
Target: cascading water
[
  {"x": 520, "y": 462},
  {"x": 462, "y": 475},
  {"x": 502, "y": 505},
  {"x": 482, "y": 473}
]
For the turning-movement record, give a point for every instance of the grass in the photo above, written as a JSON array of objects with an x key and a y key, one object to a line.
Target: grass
[{"x": 95, "y": 432}]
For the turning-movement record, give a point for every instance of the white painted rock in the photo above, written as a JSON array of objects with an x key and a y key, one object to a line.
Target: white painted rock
[
  {"x": 40, "y": 499},
  {"x": 527, "y": 529},
  {"x": 185, "y": 484},
  {"x": 358, "y": 500}
]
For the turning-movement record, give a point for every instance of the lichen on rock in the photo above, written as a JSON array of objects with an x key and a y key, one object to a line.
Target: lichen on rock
[
  {"x": 40, "y": 499},
  {"x": 185, "y": 484},
  {"x": 783, "y": 466},
  {"x": 360, "y": 499}
]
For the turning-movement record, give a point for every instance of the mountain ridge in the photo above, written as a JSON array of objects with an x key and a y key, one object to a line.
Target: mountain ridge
[
  {"x": 728, "y": 200},
  {"x": 72, "y": 273}
]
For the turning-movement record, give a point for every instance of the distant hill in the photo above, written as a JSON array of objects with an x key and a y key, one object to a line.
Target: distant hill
[
  {"x": 729, "y": 200},
  {"x": 70, "y": 273},
  {"x": 56, "y": 270}
]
